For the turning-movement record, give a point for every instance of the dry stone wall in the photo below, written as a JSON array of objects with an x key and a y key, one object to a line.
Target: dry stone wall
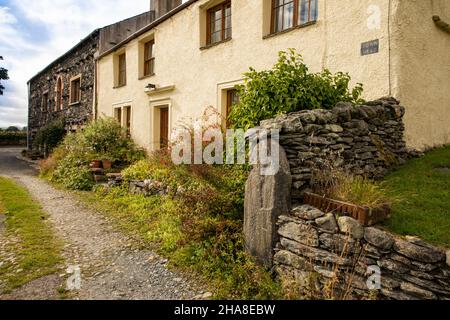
[
  {"x": 330, "y": 256},
  {"x": 368, "y": 139},
  {"x": 335, "y": 257}
]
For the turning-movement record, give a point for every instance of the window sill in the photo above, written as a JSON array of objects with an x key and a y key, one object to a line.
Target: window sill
[
  {"x": 290, "y": 29},
  {"x": 215, "y": 44},
  {"x": 146, "y": 77},
  {"x": 119, "y": 86}
]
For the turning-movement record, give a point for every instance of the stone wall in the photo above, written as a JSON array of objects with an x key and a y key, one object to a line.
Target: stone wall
[
  {"x": 326, "y": 256},
  {"x": 79, "y": 61},
  {"x": 334, "y": 257},
  {"x": 368, "y": 139}
]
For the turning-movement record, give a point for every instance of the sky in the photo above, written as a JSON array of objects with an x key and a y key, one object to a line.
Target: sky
[{"x": 35, "y": 33}]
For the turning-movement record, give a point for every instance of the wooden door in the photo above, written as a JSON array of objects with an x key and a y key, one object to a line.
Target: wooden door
[{"x": 164, "y": 127}]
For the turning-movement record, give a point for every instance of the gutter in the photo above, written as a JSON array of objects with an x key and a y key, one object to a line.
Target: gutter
[
  {"x": 148, "y": 27},
  {"x": 441, "y": 24}
]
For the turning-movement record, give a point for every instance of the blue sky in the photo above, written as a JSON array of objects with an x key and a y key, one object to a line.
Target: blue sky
[{"x": 34, "y": 33}]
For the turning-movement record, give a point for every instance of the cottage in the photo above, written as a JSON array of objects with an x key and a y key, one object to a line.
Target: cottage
[{"x": 194, "y": 56}]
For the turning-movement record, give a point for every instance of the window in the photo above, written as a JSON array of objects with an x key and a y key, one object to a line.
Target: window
[
  {"x": 75, "y": 90},
  {"x": 287, "y": 14},
  {"x": 127, "y": 119},
  {"x": 118, "y": 115},
  {"x": 149, "y": 58},
  {"x": 123, "y": 117},
  {"x": 44, "y": 105},
  {"x": 122, "y": 80},
  {"x": 59, "y": 92},
  {"x": 219, "y": 23},
  {"x": 232, "y": 100}
]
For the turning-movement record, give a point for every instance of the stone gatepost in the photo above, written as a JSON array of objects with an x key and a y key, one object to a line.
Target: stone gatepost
[{"x": 266, "y": 198}]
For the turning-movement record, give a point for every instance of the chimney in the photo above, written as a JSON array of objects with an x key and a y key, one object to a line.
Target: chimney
[{"x": 161, "y": 7}]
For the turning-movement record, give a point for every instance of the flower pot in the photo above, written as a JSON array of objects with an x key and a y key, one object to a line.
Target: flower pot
[
  {"x": 365, "y": 215},
  {"x": 107, "y": 164},
  {"x": 96, "y": 164}
]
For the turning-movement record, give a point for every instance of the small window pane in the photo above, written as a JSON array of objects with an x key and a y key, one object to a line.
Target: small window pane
[
  {"x": 288, "y": 16},
  {"x": 279, "y": 16},
  {"x": 307, "y": 11}
]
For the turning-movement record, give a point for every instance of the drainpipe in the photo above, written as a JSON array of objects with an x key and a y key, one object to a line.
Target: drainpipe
[
  {"x": 389, "y": 47},
  {"x": 95, "y": 106}
]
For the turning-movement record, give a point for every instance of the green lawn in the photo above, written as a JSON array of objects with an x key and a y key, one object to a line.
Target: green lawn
[
  {"x": 422, "y": 191},
  {"x": 37, "y": 251}
]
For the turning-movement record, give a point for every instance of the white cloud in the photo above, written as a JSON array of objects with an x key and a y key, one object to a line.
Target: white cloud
[{"x": 62, "y": 23}]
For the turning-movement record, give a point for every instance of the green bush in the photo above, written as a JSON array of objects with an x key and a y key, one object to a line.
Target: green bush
[
  {"x": 11, "y": 138},
  {"x": 74, "y": 174},
  {"x": 50, "y": 136},
  {"x": 289, "y": 87},
  {"x": 103, "y": 139},
  {"x": 109, "y": 140}
]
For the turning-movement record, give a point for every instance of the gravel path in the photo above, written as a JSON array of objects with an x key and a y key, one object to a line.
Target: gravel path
[{"x": 111, "y": 267}]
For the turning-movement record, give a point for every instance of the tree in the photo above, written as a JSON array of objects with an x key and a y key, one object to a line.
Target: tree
[
  {"x": 13, "y": 129},
  {"x": 3, "y": 76}
]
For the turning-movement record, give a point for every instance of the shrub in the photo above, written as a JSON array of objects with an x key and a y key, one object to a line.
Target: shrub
[
  {"x": 107, "y": 139},
  {"x": 289, "y": 87},
  {"x": 73, "y": 173},
  {"x": 12, "y": 138},
  {"x": 103, "y": 139},
  {"x": 50, "y": 136}
]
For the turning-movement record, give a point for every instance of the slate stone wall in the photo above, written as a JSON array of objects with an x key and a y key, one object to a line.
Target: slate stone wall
[
  {"x": 79, "y": 61},
  {"x": 319, "y": 251},
  {"x": 368, "y": 139}
]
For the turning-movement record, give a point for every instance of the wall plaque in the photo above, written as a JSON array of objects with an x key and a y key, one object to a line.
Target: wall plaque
[{"x": 370, "y": 47}]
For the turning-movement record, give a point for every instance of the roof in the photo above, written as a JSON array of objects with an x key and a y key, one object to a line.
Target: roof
[{"x": 149, "y": 27}]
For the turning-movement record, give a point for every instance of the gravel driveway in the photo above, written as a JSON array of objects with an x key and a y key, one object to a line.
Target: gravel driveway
[{"x": 111, "y": 267}]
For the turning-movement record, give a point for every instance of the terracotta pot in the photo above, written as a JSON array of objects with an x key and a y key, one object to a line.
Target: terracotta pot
[
  {"x": 107, "y": 164},
  {"x": 96, "y": 164}
]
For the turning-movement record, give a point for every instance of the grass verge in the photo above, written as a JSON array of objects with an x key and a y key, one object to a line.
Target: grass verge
[
  {"x": 422, "y": 190},
  {"x": 37, "y": 251}
]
